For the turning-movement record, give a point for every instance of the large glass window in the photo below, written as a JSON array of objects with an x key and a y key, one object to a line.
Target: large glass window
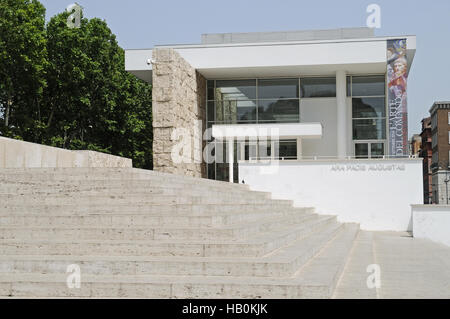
[
  {"x": 318, "y": 87},
  {"x": 369, "y": 150},
  {"x": 235, "y": 90},
  {"x": 278, "y": 89},
  {"x": 235, "y": 111},
  {"x": 276, "y": 111},
  {"x": 369, "y": 107},
  {"x": 368, "y": 115},
  {"x": 369, "y": 129},
  {"x": 368, "y": 85},
  {"x": 253, "y": 101}
]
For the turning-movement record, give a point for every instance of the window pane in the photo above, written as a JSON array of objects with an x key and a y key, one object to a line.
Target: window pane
[
  {"x": 368, "y": 85},
  {"x": 211, "y": 111},
  {"x": 369, "y": 107},
  {"x": 222, "y": 172},
  {"x": 278, "y": 111},
  {"x": 369, "y": 129},
  {"x": 278, "y": 89},
  {"x": 287, "y": 149},
  {"x": 362, "y": 150},
  {"x": 376, "y": 150},
  {"x": 212, "y": 171},
  {"x": 318, "y": 87},
  {"x": 349, "y": 86},
  {"x": 210, "y": 91},
  {"x": 236, "y": 90},
  {"x": 250, "y": 152},
  {"x": 236, "y": 111}
]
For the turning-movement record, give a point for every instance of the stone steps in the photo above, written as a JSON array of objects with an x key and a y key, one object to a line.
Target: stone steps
[
  {"x": 149, "y": 210},
  {"x": 114, "y": 187},
  {"x": 151, "y": 199},
  {"x": 123, "y": 191},
  {"x": 115, "y": 175},
  {"x": 283, "y": 262},
  {"x": 117, "y": 219},
  {"x": 256, "y": 246},
  {"x": 144, "y": 234},
  {"x": 315, "y": 280}
]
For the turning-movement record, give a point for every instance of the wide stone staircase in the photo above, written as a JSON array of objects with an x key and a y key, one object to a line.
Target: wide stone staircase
[{"x": 143, "y": 234}]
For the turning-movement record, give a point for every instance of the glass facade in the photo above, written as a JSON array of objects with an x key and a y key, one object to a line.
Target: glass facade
[
  {"x": 318, "y": 87},
  {"x": 368, "y": 115},
  {"x": 263, "y": 100},
  {"x": 252, "y": 101}
]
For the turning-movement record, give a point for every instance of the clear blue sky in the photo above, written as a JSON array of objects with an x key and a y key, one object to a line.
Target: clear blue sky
[{"x": 145, "y": 23}]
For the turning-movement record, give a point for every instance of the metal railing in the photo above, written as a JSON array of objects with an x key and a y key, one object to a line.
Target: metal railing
[{"x": 318, "y": 158}]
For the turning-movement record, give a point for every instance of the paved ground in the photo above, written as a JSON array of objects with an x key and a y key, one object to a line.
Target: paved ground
[{"x": 410, "y": 268}]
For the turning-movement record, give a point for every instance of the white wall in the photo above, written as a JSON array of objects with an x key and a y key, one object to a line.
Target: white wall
[
  {"x": 20, "y": 154},
  {"x": 324, "y": 111},
  {"x": 375, "y": 193},
  {"x": 432, "y": 222}
]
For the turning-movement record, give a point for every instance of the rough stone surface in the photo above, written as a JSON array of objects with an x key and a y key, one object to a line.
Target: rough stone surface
[{"x": 179, "y": 103}]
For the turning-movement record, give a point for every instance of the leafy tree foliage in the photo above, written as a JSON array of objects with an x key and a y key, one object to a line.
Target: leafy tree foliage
[
  {"x": 86, "y": 98},
  {"x": 22, "y": 63}
]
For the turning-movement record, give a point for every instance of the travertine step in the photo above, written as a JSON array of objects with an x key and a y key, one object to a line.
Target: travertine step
[
  {"x": 115, "y": 186},
  {"x": 255, "y": 246},
  {"x": 39, "y": 191},
  {"x": 118, "y": 219},
  {"x": 149, "y": 199},
  {"x": 283, "y": 262},
  {"x": 173, "y": 209},
  {"x": 308, "y": 282},
  {"x": 142, "y": 232},
  {"x": 138, "y": 233},
  {"x": 71, "y": 176}
]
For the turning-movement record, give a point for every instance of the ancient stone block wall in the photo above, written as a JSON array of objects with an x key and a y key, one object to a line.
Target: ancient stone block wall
[{"x": 179, "y": 102}]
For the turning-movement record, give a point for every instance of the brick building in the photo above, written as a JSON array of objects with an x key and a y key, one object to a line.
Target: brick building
[
  {"x": 440, "y": 136},
  {"x": 426, "y": 152}
]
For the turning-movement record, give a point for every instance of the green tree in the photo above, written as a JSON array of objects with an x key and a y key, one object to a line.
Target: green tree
[
  {"x": 93, "y": 103},
  {"x": 22, "y": 65},
  {"x": 67, "y": 87}
]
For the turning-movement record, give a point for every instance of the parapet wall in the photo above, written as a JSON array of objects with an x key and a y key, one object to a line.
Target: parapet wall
[
  {"x": 376, "y": 193},
  {"x": 20, "y": 154}
]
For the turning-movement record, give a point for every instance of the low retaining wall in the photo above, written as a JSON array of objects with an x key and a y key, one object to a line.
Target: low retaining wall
[
  {"x": 20, "y": 154},
  {"x": 432, "y": 222},
  {"x": 377, "y": 194}
]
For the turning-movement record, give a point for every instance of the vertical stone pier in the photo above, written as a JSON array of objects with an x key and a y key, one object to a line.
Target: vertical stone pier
[{"x": 179, "y": 102}]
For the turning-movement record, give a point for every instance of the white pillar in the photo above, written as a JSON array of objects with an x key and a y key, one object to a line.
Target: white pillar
[
  {"x": 299, "y": 149},
  {"x": 341, "y": 97},
  {"x": 231, "y": 159}
]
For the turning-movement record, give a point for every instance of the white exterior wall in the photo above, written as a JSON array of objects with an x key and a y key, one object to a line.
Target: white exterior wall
[
  {"x": 375, "y": 193},
  {"x": 324, "y": 111},
  {"x": 432, "y": 222}
]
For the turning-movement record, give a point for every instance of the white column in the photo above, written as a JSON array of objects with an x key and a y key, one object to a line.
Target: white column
[
  {"x": 341, "y": 97},
  {"x": 231, "y": 159},
  {"x": 299, "y": 149}
]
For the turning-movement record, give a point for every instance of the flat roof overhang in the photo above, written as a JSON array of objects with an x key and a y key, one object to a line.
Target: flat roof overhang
[
  {"x": 286, "y": 59},
  {"x": 267, "y": 131}
]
